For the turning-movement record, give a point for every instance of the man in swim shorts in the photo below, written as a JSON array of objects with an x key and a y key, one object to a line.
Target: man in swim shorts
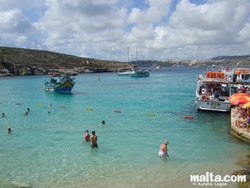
[
  {"x": 163, "y": 152},
  {"x": 93, "y": 140}
]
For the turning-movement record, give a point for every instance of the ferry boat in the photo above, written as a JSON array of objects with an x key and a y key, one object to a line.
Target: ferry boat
[
  {"x": 60, "y": 83},
  {"x": 212, "y": 92},
  {"x": 238, "y": 78}
]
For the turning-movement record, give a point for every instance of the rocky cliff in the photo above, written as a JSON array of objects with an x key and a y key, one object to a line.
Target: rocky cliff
[{"x": 19, "y": 61}]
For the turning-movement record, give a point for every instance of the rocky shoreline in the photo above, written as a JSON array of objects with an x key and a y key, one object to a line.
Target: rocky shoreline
[
  {"x": 21, "y": 62},
  {"x": 245, "y": 163}
]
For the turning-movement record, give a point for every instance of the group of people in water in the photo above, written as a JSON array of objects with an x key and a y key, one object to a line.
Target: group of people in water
[
  {"x": 93, "y": 138},
  {"x": 26, "y": 113},
  {"x": 163, "y": 152}
]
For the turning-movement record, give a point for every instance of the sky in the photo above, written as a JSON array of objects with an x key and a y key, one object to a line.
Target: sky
[{"x": 125, "y": 30}]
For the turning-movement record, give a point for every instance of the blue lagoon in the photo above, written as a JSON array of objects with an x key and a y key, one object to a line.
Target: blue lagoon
[{"x": 47, "y": 149}]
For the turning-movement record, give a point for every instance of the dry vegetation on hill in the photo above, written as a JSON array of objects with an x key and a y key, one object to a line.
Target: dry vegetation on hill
[{"x": 19, "y": 61}]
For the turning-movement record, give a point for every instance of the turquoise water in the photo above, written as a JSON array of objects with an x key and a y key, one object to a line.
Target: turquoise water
[{"x": 47, "y": 149}]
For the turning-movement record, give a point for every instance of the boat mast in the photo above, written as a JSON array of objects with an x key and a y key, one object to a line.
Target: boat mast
[
  {"x": 128, "y": 53},
  {"x": 136, "y": 54}
]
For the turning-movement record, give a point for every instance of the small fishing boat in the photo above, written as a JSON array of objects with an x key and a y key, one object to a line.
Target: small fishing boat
[
  {"x": 60, "y": 83},
  {"x": 141, "y": 73},
  {"x": 212, "y": 92}
]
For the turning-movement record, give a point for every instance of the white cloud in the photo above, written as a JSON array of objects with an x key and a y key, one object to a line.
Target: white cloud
[
  {"x": 244, "y": 34},
  {"x": 153, "y": 14},
  {"x": 21, "y": 39},
  {"x": 13, "y": 21}
]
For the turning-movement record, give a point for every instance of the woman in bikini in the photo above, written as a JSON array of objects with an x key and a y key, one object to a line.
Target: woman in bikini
[{"x": 86, "y": 136}]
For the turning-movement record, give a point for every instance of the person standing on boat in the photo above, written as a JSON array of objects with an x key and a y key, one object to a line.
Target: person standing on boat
[
  {"x": 86, "y": 136},
  {"x": 163, "y": 152},
  {"x": 93, "y": 140},
  {"x": 216, "y": 94}
]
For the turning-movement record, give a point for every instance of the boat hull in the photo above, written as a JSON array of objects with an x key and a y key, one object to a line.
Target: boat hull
[
  {"x": 64, "y": 87},
  {"x": 213, "y": 105},
  {"x": 140, "y": 73},
  {"x": 127, "y": 73}
]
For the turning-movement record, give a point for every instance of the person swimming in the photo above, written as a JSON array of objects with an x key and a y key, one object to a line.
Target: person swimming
[{"x": 9, "y": 130}]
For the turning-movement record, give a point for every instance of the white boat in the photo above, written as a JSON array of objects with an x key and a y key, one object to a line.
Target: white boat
[
  {"x": 158, "y": 67},
  {"x": 212, "y": 92},
  {"x": 126, "y": 73},
  {"x": 238, "y": 78},
  {"x": 238, "y": 75}
]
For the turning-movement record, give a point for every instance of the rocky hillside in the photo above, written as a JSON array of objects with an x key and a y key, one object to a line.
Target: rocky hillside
[{"x": 19, "y": 61}]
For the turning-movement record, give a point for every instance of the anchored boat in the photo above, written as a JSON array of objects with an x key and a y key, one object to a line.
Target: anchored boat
[
  {"x": 140, "y": 73},
  {"x": 60, "y": 83},
  {"x": 126, "y": 72}
]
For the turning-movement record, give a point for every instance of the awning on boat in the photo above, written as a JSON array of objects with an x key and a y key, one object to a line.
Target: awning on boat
[
  {"x": 215, "y": 81},
  {"x": 241, "y": 71}
]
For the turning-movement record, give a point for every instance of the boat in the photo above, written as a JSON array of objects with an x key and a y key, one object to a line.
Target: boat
[
  {"x": 60, "y": 83},
  {"x": 140, "y": 73},
  {"x": 126, "y": 72},
  {"x": 238, "y": 77},
  {"x": 212, "y": 92},
  {"x": 158, "y": 67}
]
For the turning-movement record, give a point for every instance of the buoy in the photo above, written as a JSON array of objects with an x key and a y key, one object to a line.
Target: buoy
[
  {"x": 39, "y": 105},
  {"x": 151, "y": 114},
  {"x": 98, "y": 79},
  {"x": 188, "y": 117},
  {"x": 88, "y": 108},
  {"x": 62, "y": 106},
  {"x": 117, "y": 111},
  {"x": 18, "y": 103}
]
